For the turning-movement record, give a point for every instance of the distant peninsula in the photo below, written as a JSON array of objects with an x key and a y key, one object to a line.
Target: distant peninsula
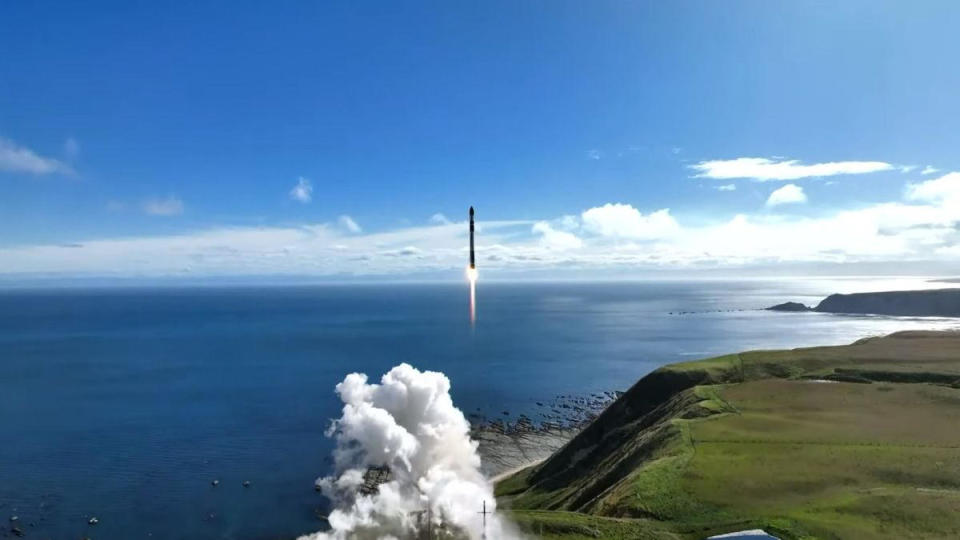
[{"x": 926, "y": 303}]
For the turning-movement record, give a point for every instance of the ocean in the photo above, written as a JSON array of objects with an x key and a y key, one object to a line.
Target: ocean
[{"x": 125, "y": 404}]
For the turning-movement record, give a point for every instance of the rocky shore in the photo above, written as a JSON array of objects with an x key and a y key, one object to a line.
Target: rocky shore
[{"x": 507, "y": 445}]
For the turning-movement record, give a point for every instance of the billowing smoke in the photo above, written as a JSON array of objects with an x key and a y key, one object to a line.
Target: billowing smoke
[{"x": 407, "y": 423}]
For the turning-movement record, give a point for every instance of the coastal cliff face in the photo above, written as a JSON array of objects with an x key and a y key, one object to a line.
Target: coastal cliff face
[
  {"x": 830, "y": 442},
  {"x": 932, "y": 303}
]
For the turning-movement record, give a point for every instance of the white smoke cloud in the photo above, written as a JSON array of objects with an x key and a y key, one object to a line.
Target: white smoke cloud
[{"x": 408, "y": 423}]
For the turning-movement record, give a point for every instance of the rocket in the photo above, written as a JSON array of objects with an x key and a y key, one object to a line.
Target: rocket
[{"x": 473, "y": 260}]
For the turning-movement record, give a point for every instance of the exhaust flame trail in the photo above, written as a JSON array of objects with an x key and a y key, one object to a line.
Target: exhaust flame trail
[
  {"x": 472, "y": 278},
  {"x": 472, "y": 274}
]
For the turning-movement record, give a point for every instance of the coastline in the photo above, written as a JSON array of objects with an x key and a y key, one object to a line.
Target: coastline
[
  {"x": 503, "y": 454},
  {"x": 506, "y": 447},
  {"x": 761, "y": 425}
]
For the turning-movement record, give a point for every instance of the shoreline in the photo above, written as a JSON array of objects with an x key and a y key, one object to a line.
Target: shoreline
[
  {"x": 510, "y": 472},
  {"x": 506, "y": 446}
]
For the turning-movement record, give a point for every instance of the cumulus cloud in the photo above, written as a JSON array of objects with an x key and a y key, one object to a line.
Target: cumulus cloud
[
  {"x": 727, "y": 187},
  {"x": 15, "y": 158},
  {"x": 569, "y": 222},
  {"x": 919, "y": 226},
  {"x": 624, "y": 221},
  {"x": 788, "y": 194},
  {"x": 554, "y": 239},
  {"x": 349, "y": 224},
  {"x": 168, "y": 206},
  {"x": 303, "y": 191},
  {"x": 764, "y": 169},
  {"x": 409, "y": 424},
  {"x": 439, "y": 219},
  {"x": 940, "y": 190}
]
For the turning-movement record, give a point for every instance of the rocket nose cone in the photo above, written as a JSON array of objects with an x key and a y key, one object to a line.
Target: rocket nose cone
[{"x": 471, "y": 210}]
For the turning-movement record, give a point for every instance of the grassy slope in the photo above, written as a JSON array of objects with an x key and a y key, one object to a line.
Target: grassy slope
[{"x": 747, "y": 440}]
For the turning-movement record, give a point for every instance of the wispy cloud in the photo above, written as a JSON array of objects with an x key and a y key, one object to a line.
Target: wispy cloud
[
  {"x": 439, "y": 219},
  {"x": 929, "y": 170},
  {"x": 349, "y": 224},
  {"x": 919, "y": 226},
  {"x": 594, "y": 154},
  {"x": 727, "y": 187},
  {"x": 303, "y": 191},
  {"x": 406, "y": 251},
  {"x": 15, "y": 158},
  {"x": 788, "y": 194},
  {"x": 167, "y": 206},
  {"x": 764, "y": 169}
]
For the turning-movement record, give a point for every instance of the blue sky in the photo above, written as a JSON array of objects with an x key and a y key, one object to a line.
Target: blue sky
[{"x": 145, "y": 139}]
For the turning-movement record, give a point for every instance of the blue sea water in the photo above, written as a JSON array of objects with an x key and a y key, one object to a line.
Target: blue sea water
[{"x": 125, "y": 404}]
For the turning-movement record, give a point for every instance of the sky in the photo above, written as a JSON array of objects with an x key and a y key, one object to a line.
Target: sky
[{"x": 346, "y": 140}]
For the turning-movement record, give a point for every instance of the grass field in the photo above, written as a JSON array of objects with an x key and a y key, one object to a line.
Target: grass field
[{"x": 765, "y": 443}]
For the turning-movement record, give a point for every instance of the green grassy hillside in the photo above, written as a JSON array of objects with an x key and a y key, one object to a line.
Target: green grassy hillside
[{"x": 762, "y": 440}]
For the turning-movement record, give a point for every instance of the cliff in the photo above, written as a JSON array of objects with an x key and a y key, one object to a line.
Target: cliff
[
  {"x": 829, "y": 442},
  {"x": 931, "y": 303}
]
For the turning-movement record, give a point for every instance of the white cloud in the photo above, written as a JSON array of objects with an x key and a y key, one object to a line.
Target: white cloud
[
  {"x": 788, "y": 194},
  {"x": 929, "y": 170},
  {"x": 15, "y": 158},
  {"x": 624, "y": 221},
  {"x": 907, "y": 168},
  {"x": 727, "y": 187},
  {"x": 569, "y": 223},
  {"x": 612, "y": 237},
  {"x": 169, "y": 206},
  {"x": 551, "y": 238},
  {"x": 764, "y": 169},
  {"x": 594, "y": 154},
  {"x": 940, "y": 190},
  {"x": 439, "y": 219},
  {"x": 303, "y": 191},
  {"x": 349, "y": 224}
]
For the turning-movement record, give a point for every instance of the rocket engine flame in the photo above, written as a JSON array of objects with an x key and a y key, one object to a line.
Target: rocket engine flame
[
  {"x": 472, "y": 279},
  {"x": 472, "y": 274}
]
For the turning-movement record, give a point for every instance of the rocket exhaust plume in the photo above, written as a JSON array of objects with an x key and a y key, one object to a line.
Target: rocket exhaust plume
[
  {"x": 408, "y": 424},
  {"x": 472, "y": 275}
]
